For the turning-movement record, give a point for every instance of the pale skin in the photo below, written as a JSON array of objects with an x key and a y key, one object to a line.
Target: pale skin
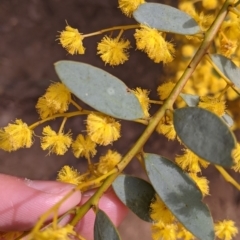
[{"x": 23, "y": 201}]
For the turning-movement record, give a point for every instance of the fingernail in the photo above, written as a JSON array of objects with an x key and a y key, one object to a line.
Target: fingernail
[{"x": 50, "y": 187}]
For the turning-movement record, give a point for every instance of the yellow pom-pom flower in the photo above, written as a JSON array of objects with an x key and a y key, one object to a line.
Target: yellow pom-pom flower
[
  {"x": 187, "y": 50},
  {"x": 84, "y": 147},
  {"x": 163, "y": 231},
  {"x": 71, "y": 40},
  {"x": 184, "y": 234},
  {"x": 56, "y": 142},
  {"x": 186, "y": 6},
  {"x": 108, "y": 161},
  {"x": 227, "y": 46},
  {"x": 166, "y": 128},
  {"x": 201, "y": 182},
  {"x": 160, "y": 212},
  {"x": 69, "y": 175},
  {"x": 214, "y": 105},
  {"x": 165, "y": 89},
  {"x": 142, "y": 95},
  {"x": 102, "y": 129},
  {"x": 225, "y": 230},
  {"x": 189, "y": 161},
  {"x": 151, "y": 41},
  {"x": 44, "y": 109},
  {"x": 210, "y": 4},
  {"x": 55, "y": 100},
  {"x": 129, "y": 6},
  {"x": 113, "y": 51},
  {"x": 231, "y": 29},
  {"x": 15, "y": 136}
]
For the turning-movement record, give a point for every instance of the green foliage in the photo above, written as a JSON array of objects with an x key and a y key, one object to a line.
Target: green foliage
[
  {"x": 166, "y": 18},
  {"x": 136, "y": 194},
  {"x": 99, "y": 89},
  {"x": 180, "y": 194},
  {"x": 205, "y": 134},
  {"x": 104, "y": 228}
]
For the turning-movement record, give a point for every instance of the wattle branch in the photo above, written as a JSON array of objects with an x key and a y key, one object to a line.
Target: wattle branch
[{"x": 209, "y": 36}]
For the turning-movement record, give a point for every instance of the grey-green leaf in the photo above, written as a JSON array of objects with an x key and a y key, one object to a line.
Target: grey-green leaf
[
  {"x": 190, "y": 100},
  {"x": 227, "y": 68},
  {"x": 136, "y": 194},
  {"x": 228, "y": 120},
  {"x": 166, "y": 19},
  {"x": 99, "y": 89},
  {"x": 104, "y": 228},
  {"x": 181, "y": 195},
  {"x": 205, "y": 134}
]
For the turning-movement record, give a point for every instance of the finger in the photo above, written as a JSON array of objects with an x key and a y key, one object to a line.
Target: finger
[
  {"x": 23, "y": 201},
  {"x": 110, "y": 204}
]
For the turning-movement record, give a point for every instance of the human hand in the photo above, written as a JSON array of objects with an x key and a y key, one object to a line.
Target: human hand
[{"x": 23, "y": 201}]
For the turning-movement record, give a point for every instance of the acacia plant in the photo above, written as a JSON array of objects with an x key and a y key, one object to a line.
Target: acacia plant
[{"x": 192, "y": 109}]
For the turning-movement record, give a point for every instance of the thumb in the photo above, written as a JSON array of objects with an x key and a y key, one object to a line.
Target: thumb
[{"x": 23, "y": 201}]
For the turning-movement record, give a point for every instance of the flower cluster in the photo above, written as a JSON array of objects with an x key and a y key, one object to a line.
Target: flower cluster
[
  {"x": 214, "y": 105},
  {"x": 205, "y": 81},
  {"x": 69, "y": 175},
  {"x": 191, "y": 163},
  {"x": 113, "y": 51},
  {"x": 142, "y": 96},
  {"x": 166, "y": 127},
  {"x": 166, "y": 226},
  {"x": 15, "y": 136},
  {"x": 102, "y": 129},
  {"x": 108, "y": 162},
  {"x": 55, "y": 100},
  {"x": 55, "y": 142},
  {"x": 225, "y": 229},
  {"x": 129, "y": 6},
  {"x": 83, "y": 146},
  {"x": 165, "y": 89},
  {"x": 152, "y": 42},
  {"x": 71, "y": 39}
]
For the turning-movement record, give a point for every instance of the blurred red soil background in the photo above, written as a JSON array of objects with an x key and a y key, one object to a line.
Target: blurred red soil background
[{"x": 28, "y": 50}]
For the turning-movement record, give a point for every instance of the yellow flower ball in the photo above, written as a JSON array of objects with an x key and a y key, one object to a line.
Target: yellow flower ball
[{"x": 102, "y": 129}]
